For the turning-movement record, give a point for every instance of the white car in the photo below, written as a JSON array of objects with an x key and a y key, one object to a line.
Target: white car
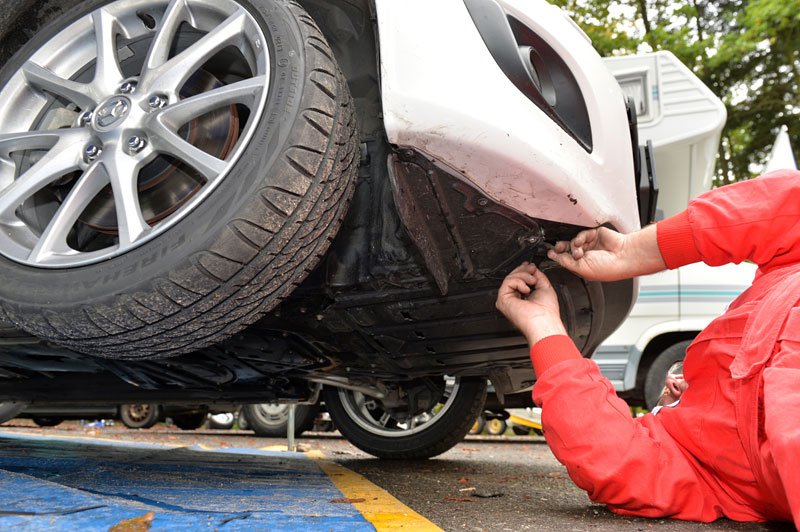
[{"x": 247, "y": 200}]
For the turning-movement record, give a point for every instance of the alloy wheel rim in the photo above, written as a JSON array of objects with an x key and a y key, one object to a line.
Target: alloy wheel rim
[
  {"x": 139, "y": 412},
  {"x": 273, "y": 413},
  {"x": 367, "y": 413},
  {"x": 122, "y": 123}
]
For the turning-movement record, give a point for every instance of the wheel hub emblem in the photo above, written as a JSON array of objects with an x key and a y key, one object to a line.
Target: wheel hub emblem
[{"x": 112, "y": 112}]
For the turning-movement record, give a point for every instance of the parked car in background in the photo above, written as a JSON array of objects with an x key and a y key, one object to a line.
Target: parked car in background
[
  {"x": 271, "y": 420},
  {"x": 236, "y": 200},
  {"x": 134, "y": 416}
]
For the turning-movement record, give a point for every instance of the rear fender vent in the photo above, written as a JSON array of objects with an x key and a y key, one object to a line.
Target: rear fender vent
[{"x": 534, "y": 67}]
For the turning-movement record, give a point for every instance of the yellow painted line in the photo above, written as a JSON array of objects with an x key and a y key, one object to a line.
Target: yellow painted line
[
  {"x": 274, "y": 448},
  {"x": 380, "y": 508},
  {"x": 524, "y": 422}
]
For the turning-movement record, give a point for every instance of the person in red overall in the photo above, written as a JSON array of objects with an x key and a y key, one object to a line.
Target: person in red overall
[{"x": 731, "y": 445}]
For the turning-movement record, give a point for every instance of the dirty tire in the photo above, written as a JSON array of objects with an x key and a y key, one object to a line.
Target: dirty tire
[
  {"x": 139, "y": 416},
  {"x": 437, "y": 436},
  {"x": 237, "y": 253},
  {"x": 657, "y": 372},
  {"x": 271, "y": 420}
]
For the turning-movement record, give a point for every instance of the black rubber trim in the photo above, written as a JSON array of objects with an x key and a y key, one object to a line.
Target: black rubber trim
[
  {"x": 644, "y": 169},
  {"x": 534, "y": 68},
  {"x": 647, "y": 189},
  {"x": 633, "y": 126}
]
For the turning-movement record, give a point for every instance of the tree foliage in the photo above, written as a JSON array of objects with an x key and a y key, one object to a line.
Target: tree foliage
[{"x": 746, "y": 51}]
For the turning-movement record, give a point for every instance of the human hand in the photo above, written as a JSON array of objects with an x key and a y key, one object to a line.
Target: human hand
[
  {"x": 530, "y": 303},
  {"x": 593, "y": 254},
  {"x": 603, "y": 254},
  {"x": 674, "y": 387}
]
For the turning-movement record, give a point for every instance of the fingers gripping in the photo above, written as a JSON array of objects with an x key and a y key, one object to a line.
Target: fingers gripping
[
  {"x": 522, "y": 281},
  {"x": 531, "y": 275},
  {"x": 541, "y": 282},
  {"x": 570, "y": 254}
]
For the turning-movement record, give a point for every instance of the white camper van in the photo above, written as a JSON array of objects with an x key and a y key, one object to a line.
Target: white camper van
[{"x": 684, "y": 119}]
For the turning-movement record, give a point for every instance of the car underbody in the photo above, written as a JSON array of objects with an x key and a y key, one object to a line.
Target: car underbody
[
  {"x": 404, "y": 297},
  {"x": 372, "y": 312}
]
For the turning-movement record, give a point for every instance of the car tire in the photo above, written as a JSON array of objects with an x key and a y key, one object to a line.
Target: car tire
[
  {"x": 478, "y": 426},
  {"x": 241, "y": 421},
  {"x": 446, "y": 428},
  {"x": 271, "y": 420},
  {"x": 139, "y": 416},
  {"x": 47, "y": 421},
  {"x": 252, "y": 219},
  {"x": 11, "y": 409},
  {"x": 192, "y": 421},
  {"x": 520, "y": 430},
  {"x": 496, "y": 427},
  {"x": 657, "y": 372}
]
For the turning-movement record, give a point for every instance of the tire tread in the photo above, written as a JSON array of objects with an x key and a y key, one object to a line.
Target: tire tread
[{"x": 266, "y": 251}]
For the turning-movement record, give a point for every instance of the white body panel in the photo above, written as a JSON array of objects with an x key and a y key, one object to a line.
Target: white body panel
[
  {"x": 444, "y": 94},
  {"x": 682, "y": 118}
]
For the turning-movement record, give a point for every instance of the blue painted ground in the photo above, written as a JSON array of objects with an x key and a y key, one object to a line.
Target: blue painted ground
[{"x": 51, "y": 484}]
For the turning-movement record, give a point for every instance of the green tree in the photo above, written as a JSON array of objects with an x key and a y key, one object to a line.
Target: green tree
[
  {"x": 760, "y": 66},
  {"x": 606, "y": 24},
  {"x": 747, "y": 52}
]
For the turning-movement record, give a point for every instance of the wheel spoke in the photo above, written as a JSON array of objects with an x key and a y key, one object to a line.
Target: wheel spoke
[
  {"x": 173, "y": 73},
  {"x": 384, "y": 420},
  {"x": 123, "y": 173},
  {"x": 244, "y": 92},
  {"x": 360, "y": 401},
  {"x": 107, "y": 75},
  {"x": 62, "y": 158},
  {"x": 54, "y": 238},
  {"x": 51, "y": 179},
  {"x": 80, "y": 94},
  {"x": 37, "y": 140},
  {"x": 176, "y": 14},
  {"x": 210, "y": 167}
]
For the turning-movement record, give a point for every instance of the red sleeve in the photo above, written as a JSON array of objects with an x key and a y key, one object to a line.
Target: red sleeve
[
  {"x": 551, "y": 350},
  {"x": 756, "y": 220},
  {"x": 632, "y": 465}
]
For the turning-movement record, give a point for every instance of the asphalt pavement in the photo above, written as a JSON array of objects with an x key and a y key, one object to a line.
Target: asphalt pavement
[{"x": 485, "y": 483}]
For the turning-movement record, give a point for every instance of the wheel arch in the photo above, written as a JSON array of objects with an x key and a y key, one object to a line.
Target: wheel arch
[
  {"x": 655, "y": 346},
  {"x": 349, "y": 27}
]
